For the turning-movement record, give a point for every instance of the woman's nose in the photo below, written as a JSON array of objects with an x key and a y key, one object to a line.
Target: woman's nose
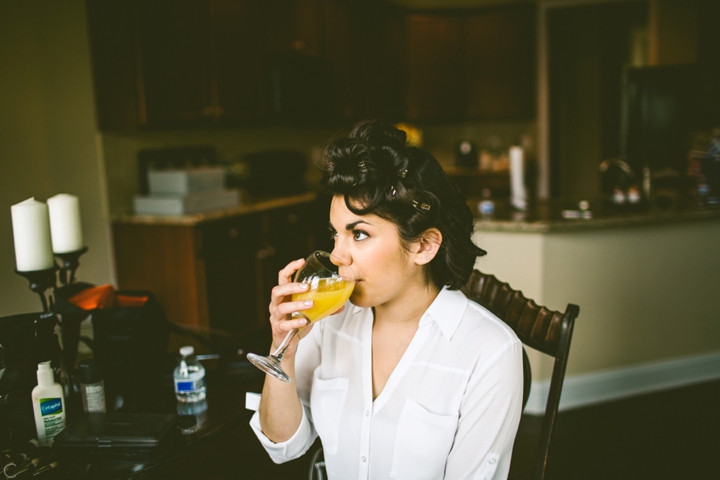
[{"x": 340, "y": 253}]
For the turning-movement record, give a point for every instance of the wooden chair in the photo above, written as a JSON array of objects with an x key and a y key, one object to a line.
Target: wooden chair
[{"x": 537, "y": 327}]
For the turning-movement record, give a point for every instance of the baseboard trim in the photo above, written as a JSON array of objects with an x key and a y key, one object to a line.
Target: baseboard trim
[{"x": 608, "y": 385}]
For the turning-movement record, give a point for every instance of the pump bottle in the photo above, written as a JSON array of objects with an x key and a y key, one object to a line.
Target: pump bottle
[{"x": 48, "y": 404}]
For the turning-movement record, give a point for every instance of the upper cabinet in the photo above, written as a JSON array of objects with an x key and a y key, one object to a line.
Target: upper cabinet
[
  {"x": 176, "y": 63},
  {"x": 435, "y": 67},
  {"x": 204, "y": 63},
  {"x": 476, "y": 65},
  {"x": 499, "y": 63}
]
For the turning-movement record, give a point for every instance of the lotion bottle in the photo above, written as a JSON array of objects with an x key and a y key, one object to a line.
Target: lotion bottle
[{"x": 48, "y": 404}]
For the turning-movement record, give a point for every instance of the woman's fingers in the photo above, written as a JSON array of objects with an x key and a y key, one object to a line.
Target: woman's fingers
[
  {"x": 286, "y": 308},
  {"x": 287, "y": 325},
  {"x": 285, "y": 275}
]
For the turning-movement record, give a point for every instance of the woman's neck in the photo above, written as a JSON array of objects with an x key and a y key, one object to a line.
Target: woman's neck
[{"x": 408, "y": 307}]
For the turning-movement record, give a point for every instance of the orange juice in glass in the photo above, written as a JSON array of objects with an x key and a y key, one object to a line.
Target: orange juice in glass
[
  {"x": 327, "y": 296},
  {"x": 331, "y": 283}
]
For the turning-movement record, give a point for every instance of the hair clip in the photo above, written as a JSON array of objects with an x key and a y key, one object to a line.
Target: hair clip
[
  {"x": 403, "y": 173},
  {"x": 393, "y": 191},
  {"x": 421, "y": 207},
  {"x": 361, "y": 166}
]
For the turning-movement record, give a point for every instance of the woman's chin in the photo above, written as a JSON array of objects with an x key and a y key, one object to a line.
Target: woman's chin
[{"x": 358, "y": 299}]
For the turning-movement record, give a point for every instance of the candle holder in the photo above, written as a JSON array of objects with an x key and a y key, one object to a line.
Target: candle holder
[
  {"x": 69, "y": 265},
  {"x": 41, "y": 280}
]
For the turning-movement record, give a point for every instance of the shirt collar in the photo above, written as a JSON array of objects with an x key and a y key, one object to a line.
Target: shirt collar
[{"x": 446, "y": 311}]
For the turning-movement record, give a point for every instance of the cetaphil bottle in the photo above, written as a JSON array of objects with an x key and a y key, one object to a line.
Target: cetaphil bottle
[
  {"x": 189, "y": 377},
  {"x": 48, "y": 404}
]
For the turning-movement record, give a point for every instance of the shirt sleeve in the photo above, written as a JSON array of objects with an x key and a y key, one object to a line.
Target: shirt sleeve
[
  {"x": 308, "y": 358},
  {"x": 291, "y": 448},
  {"x": 489, "y": 416}
]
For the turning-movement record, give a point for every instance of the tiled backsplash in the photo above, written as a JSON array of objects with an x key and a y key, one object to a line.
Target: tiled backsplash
[{"x": 120, "y": 149}]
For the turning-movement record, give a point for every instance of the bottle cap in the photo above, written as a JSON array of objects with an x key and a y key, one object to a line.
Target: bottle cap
[
  {"x": 89, "y": 372},
  {"x": 187, "y": 350},
  {"x": 45, "y": 374}
]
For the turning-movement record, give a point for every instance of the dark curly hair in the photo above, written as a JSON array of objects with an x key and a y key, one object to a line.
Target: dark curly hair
[{"x": 378, "y": 173}]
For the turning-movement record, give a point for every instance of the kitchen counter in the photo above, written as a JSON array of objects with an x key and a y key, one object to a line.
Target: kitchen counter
[
  {"x": 198, "y": 218},
  {"x": 547, "y": 218},
  {"x": 646, "y": 283}
]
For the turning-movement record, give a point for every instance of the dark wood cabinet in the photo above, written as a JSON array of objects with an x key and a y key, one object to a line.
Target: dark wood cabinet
[
  {"x": 472, "y": 65},
  {"x": 435, "y": 80},
  {"x": 204, "y": 63},
  {"x": 217, "y": 273},
  {"x": 176, "y": 71},
  {"x": 177, "y": 63},
  {"x": 499, "y": 64}
]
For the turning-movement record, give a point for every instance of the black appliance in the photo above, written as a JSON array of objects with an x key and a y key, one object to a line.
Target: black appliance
[
  {"x": 271, "y": 173},
  {"x": 664, "y": 105}
]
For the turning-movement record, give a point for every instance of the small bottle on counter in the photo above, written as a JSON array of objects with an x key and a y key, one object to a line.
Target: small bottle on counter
[
  {"x": 486, "y": 206},
  {"x": 92, "y": 386},
  {"x": 48, "y": 404},
  {"x": 189, "y": 377}
]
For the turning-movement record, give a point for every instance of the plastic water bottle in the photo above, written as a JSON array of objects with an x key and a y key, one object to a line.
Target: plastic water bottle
[{"x": 189, "y": 377}]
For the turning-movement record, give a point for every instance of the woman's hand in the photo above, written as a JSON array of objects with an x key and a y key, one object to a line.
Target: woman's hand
[{"x": 281, "y": 306}]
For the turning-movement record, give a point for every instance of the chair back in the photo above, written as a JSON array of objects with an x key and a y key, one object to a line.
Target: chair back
[{"x": 537, "y": 327}]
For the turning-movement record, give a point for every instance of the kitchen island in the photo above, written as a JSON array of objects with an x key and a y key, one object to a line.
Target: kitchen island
[{"x": 648, "y": 287}]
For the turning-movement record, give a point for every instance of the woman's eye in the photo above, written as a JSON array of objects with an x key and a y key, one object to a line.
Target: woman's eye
[
  {"x": 359, "y": 235},
  {"x": 333, "y": 234}
]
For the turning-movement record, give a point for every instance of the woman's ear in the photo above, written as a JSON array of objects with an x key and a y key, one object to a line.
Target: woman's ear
[{"x": 428, "y": 246}]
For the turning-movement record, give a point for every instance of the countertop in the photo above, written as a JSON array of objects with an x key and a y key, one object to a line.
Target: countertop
[
  {"x": 197, "y": 218},
  {"x": 544, "y": 218}
]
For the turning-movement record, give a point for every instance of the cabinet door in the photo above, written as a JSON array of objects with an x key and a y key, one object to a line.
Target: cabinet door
[
  {"x": 229, "y": 248},
  {"x": 176, "y": 56},
  {"x": 365, "y": 45},
  {"x": 294, "y": 25},
  {"x": 112, "y": 27},
  {"x": 435, "y": 88},
  {"x": 500, "y": 63},
  {"x": 238, "y": 29}
]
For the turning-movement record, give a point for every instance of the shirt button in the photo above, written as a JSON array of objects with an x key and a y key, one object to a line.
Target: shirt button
[
  {"x": 492, "y": 461},
  {"x": 363, "y": 459},
  {"x": 367, "y": 413}
]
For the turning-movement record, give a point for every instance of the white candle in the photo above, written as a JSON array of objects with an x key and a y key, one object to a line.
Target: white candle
[
  {"x": 31, "y": 235},
  {"x": 517, "y": 180},
  {"x": 65, "y": 223}
]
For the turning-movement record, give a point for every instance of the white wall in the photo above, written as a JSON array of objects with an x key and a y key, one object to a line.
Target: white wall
[{"x": 48, "y": 142}]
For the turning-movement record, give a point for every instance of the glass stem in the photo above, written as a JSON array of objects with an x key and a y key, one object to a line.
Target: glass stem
[{"x": 283, "y": 346}]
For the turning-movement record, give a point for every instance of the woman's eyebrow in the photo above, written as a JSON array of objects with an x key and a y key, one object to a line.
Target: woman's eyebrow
[{"x": 349, "y": 226}]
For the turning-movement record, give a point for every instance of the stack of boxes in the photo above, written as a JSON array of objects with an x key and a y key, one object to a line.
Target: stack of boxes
[{"x": 186, "y": 191}]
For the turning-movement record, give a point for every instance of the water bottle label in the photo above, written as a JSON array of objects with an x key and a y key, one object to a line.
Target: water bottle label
[{"x": 189, "y": 386}]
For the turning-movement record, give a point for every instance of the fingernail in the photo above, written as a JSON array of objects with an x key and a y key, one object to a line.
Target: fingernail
[
  {"x": 308, "y": 303},
  {"x": 302, "y": 321},
  {"x": 305, "y": 286}
]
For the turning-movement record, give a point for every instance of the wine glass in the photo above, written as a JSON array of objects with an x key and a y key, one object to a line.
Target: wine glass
[{"x": 328, "y": 288}]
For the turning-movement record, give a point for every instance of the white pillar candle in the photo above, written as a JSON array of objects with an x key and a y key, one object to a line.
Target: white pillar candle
[
  {"x": 517, "y": 179},
  {"x": 65, "y": 223},
  {"x": 31, "y": 235}
]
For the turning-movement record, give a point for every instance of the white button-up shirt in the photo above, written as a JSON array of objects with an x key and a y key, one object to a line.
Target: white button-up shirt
[{"x": 450, "y": 409}]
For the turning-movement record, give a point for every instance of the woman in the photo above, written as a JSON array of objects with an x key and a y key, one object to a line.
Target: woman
[{"x": 411, "y": 380}]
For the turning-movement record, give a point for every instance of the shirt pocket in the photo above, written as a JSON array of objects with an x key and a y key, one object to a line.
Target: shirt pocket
[
  {"x": 422, "y": 443},
  {"x": 327, "y": 401}
]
